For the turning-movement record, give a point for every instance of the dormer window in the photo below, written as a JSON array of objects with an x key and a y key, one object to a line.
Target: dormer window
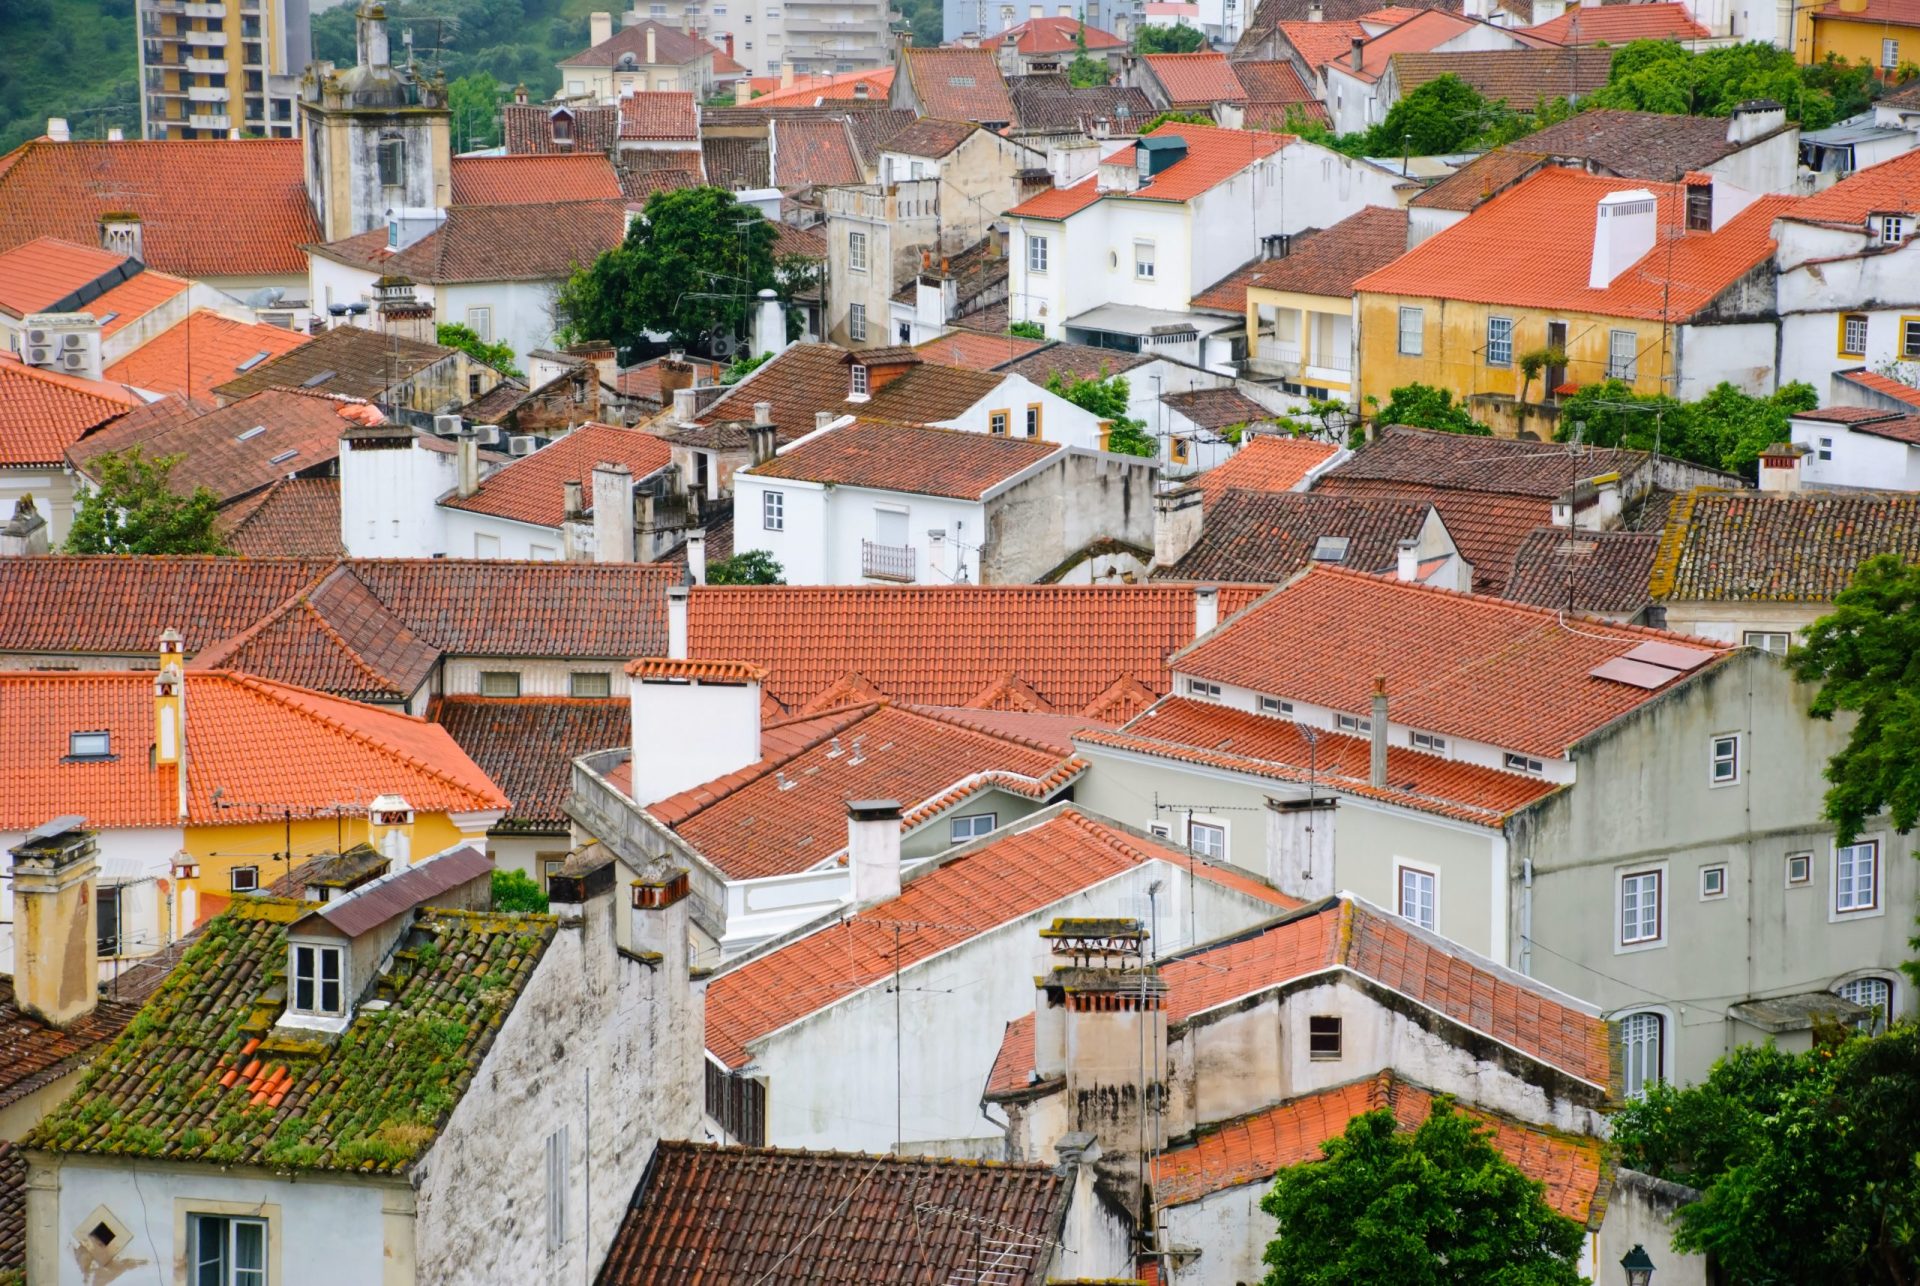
[
  {"x": 1699, "y": 207},
  {"x": 89, "y": 745},
  {"x": 859, "y": 381},
  {"x": 563, "y": 127},
  {"x": 315, "y": 981},
  {"x": 1893, "y": 229}
]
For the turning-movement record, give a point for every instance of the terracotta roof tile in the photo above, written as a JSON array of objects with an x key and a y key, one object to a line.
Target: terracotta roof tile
[
  {"x": 1057, "y": 35},
  {"x": 811, "y": 88},
  {"x": 511, "y": 243},
  {"x": 34, "y": 1054},
  {"x": 1275, "y": 92},
  {"x": 1219, "y": 408},
  {"x": 1487, "y": 526},
  {"x": 37, "y": 274},
  {"x": 1272, "y": 15},
  {"x": 530, "y": 489},
  {"x": 1621, "y": 24},
  {"x": 644, "y": 173},
  {"x": 979, "y": 274},
  {"x": 1798, "y": 548},
  {"x": 668, "y": 668},
  {"x": 1900, "y": 428},
  {"x": 527, "y": 129},
  {"x": 1081, "y": 361},
  {"x": 292, "y": 518},
  {"x": 1199, "y": 732},
  {"x": 643, "y": 380},
  {"x": 1890, "y": 185},
  {"x": 1268, "y": 462},
  {"x": 898, "y": 457},
  {"x": 658, "y": 114},
  {"x": 527, "y": 745},
  {"x": 1047, "y": 105},
  {"x": 1874, "y": 382},
  {"x": 256, "y": 228},
  {"x": 1196, "y": 79},
  {"x": 671, "y": 47},
  {"x": 774, "y": 1201},
  {"x": 1254, "y": 1148},
  {"x": 13, "y": 1210},
  {"x": 1428, "y": 458},
  {"x": 1213, "y": 157},
  {"x": 294, "y": 747},
  {"x": 107, "y": 605},
  {"x": 1331, "y": 260},
  {"x": 1053, "y": 732},
  {"x": 1427, "y": 29},
  {"x": 536, "y": 180},
  {"x": 1898, "y": 13},
  {"x": 809, "y": 378},
  {"x": 736, "y": 163},
  {"x": 943, "y": 645},
  {"x": 1849, "y": 415},
  {"x": 930, "y": 136},
  {"x": 1636, "y": 145},
  {"x": 1604, "y": 572},
  {"x": 1006, "y": 878},
  {"x": 975, "y": 351},
  {"x": 810, "y": 153},
  {"x": 193, "y": 356},
  {"x": 1513, "y": 76},
  {"x": 1319, "y": 43},
  {"x": 1257, "y": 536},
  {"x": 1464, "y": 665},
  {"x": 42, "y": 413},
  {"x": 959, "y": 84},
  {"x": 1480, "y": 179},
  {"x": 363, "y": 364}
]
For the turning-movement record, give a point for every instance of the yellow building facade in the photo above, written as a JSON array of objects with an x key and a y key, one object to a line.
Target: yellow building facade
[
  {"x": 258, "y": 850},
  {"x": 211, "y": 66},
  {"x": 1856, "y": 33},
  {"x": 1303, "y": 339}
]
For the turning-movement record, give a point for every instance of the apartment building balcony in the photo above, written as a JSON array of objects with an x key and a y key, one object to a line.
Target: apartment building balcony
[
  {"x": 801, "y": 20},
  {"x": 208, "y": 121},
  {"x": 207, "y": 66},
  {"x": 889, "y": 562},
  {"x": 206, "y": 39},
  {"x": 207, "y": 94},
  {"x": 213, "y": 11}
]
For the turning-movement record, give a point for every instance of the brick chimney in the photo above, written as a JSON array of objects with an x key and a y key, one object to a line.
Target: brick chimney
[
  {"x": 675, "y": 373},
  {"x": 56, "y": 949}
]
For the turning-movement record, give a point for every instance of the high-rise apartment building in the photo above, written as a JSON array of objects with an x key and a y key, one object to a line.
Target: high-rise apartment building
[{"x": 209, "y": 67}]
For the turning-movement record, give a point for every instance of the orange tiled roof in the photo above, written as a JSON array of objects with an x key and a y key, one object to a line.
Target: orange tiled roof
[
  {"x": 788, "y": 812},
  {"x": 809, "y": 89},
  {"x": 1676, "y": 278},
  {"x": 666, "y": 667},
  {"x": 1199, "y": 732},
  {"x": 976, "y": 351},
  {"x": 1190, "y": 79},
  {"x": 110, "y": 605},
  {"x": 1213, "y": 156},
  {"x": 1057, "y": 35},
  {"x": 808, "y": 152},
  {"x": 531, "y": 489},
  {"x": 1884, "y": 385},
  {"x": 1619, "y": 24},
  {"x": 195, "y": 355},
  {"x": 1319, "y": 43},
  {"x": 251, "y": 738},
  {"x": 659, "y": 114},
  {"x": 1465, "y": 665},
  {"x": 43, "y": 412},
  {"x": 1890, "y": 185},
  {"x": 1267, "y": 462},
  {"x": 1252, "y": 1149},
  {"x": 1078, "y": 648},
  {"x": 527, "y": 745},
  {"x": 293, "y": 518},
  {"x": 959, "y": 84},
  {"x": 256, "y": 227},
  {"x": 902, "y": 457},
  {"x": 1004, "y": 879},
  {"x": 533, "y": 179},
  {"x": 37, "y": 275},
  {"x": 1488, "y": 527}
]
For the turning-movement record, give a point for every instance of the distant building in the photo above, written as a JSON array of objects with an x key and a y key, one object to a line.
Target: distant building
[{"x": 220, "y": 68}]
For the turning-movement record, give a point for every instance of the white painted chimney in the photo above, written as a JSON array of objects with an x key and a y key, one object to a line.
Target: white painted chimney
[
  {"x": 1625, "y": 227},
  {"x": 692, "y": 722},
  {"x": 697, "y": 556},
  {"x": 677, "y": 622},
  {"x": 873, "y": 850},
  {"x": 613, "y": 537},
  {"x": 937, "y": 556},
  {"x": 651, "y": 55},
  {"x": 1378, "y": 774},
  {"x": 770, "y": 325},
  {"x": 1407, "y": 566},
  {"x": 1206, "y": 609},
  {"x": 57, "y": 129},
  {"x": 466, "y": 465},
  {"x": 686, "y": 405},
  {"x": 1780, "y": 467},
  {"x": 821, "y": 419},
  {"x": 600, "y": 29}
]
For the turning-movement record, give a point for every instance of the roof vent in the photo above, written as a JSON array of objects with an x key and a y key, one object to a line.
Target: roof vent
[{"x": 1331, "y": 549}]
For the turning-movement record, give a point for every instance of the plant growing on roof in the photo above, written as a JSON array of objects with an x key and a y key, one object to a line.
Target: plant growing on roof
[
  {"x": 135, "y": 508},
  {"x": 1027, "y": 330},
  {"x": 1085, "y": 71},
  {"x": 743, "y": 366},
  {"x": 468, "y": 341},
  {"x": 1106, "y": 396},
  {"x": 1177, "y": 39},
  {"x": 512, "y": 891}
]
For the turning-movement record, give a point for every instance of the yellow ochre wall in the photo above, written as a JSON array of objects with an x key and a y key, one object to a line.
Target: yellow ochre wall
[
  {"x": 1854, "y": 40},
  {"x": 219, "y": 849}
]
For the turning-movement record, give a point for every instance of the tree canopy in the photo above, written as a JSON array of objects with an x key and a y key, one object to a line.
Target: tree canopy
[
  {"x": 1726, "y": 429},
  {"x": 133, "y": 509},
  {"x": 517, "y": 891},
  {"x": 1106, "y": 396},
  {"x": 1177, "y": 39},
  {"x": 1805, "y": 1161},
  {"x": 1422, "y": 406},
  {"x": 748, "y": 567},
  {"x": 690, "y": 268},
  {"x": 1437, "y": 1207},
  {"x": 1665, "y": 76},
  {"x": 468, "y": 341},
  {"x": 1865, "y": 656}
]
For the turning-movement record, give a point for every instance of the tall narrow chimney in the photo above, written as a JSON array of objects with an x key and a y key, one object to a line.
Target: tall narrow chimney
[
  {"x": 599, "y": 28},
  {"x": 570, "y": 492},
  {"x": 1407, "y": 564},
  {"x": 686, "y": 405},
  {"x": 466, "y": 465},
  {"x": 1206, "y": 608},
  {"x": 937, "y": 556},
  {"x": 1358, "y": 56},
  {"x": 652, "y": 56},
  {"x": 1378, "y": 765},
  {"x": 55, "y": 945},
  {"x": 674, "y": 699},
  {"x": 613, "y": 538},
  {"x": 873, "y": 850},
  {"x": 677, "y": 622},
  {"x": 390, "y": 829},
  {"x": 697, "y": 556}
]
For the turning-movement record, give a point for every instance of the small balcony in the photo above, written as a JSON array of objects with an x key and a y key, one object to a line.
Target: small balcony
[
  {"x": 207, "y": 66},
  {"x": 213, "y": 11},
  {"x": 209, "y": 39},
  {"x": 899, "y": 563},
  {"x": 199, "y": 121},
  {"x": 207, "y": 94}
]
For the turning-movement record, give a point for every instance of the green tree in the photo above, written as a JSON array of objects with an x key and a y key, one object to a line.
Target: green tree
[
  {"x": 1106, "y": 396},
  {"x": 1422, "y": 406},
  {"x": 1027, "y": 330},
  {"x": 1085, "y": 70},
  {"x": 1437, "y": 1207},
  {"x": 1177, "y": 39},
  {"x": 1865, "y": 656},
  {"x": 475, "y": 100},
  {"x": 749, "y": 567},
  {"x": 1726, "y": 429},
  {"x": 516, "y": 891},
  {"x": 1176, "y": 118},
  {"x": 1441, "y": 116},
  {"x": 468, "y": 341},
  {"x": 133, "y": 508},
  {"x": 743, "y": 366},
  {"x": 690, "y": 268},
  {"x": 1664, "y": 76},
  {"x": 1805, "y": 1161}
]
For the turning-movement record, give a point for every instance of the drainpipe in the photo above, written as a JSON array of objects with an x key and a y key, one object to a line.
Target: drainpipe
[{"x": 1526, "y": 916}]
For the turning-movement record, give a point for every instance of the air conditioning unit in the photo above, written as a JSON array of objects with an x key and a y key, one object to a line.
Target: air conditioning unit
[
  {"x": 39, "y": 354},
  {"x": 73, "y": 342},
  {"x": 487, "y": 435},
  {"x": 39, "y": 335},
  {"x": 724, "y": 346},
  {"x": 521, "y": 445},
  {"x": 446, "y": 425},
  {"x": 73, "y": 361}
]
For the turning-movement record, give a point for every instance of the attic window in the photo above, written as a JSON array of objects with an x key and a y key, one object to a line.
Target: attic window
[
  {"x": 315, "y": 381},
  {"x": 562, "y": 127},
  {"x": 1330, "y": 549},
  {"x": 1699, "y": 207},
  {"x": 960, "y": 82},
  {"x": 89, "y": 745},
  {"x": 859, "y": 378},
  {"x": 253, "y": 361},
  {"x": 253, "y": 432},
  {"x": 317, "y": 974},
  {"x": 283, "y": 457}
]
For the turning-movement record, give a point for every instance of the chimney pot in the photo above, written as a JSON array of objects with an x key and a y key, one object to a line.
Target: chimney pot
[
  {"x": 613, "y": 530},
  {"x": 1409, "y": 560},
  {"x": 1206, "y": 609},
  {"x": 466, "y": 465},
  {"x": 685, "y": 405},
  {"x": 697, "y": 556},
  {"x": 873, "y": 850},
  {"x": 763, "y": 413},
  {"x": 57, "y": 129},
  {"x": 1378, "y": 764},
  {"x": 821, "y": 419}
]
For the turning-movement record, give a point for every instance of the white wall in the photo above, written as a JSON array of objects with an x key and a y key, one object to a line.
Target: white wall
[
  {"x": 468, "y": 533},
  {"x": 1741, "y": 355},
  {"x": 539, "y": 676},
  {"x": 1858, "y": 459},
  {"x": 387, "y": 497},
  {"x": 139, "y": 856},
  {"x": 824, "y": 528},
  {"x": 522, "y": 311},
  {"x": 1060, "y": 420}
]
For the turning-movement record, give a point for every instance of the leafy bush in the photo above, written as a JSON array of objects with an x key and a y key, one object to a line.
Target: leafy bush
[
  {"x": 749, "y": 567},
  {"x": 516, "y": 891},
  {"x": 1423, "y": 406}
]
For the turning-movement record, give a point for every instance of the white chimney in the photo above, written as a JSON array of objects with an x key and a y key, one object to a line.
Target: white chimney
[
  {"x": 692, "y": 722},
  {"x": 697, "y": 556},
  {"x": 1206, "y": 609},
  {"x": 786, "y": 75},
  {"x": 677, "y": 622},
  {"x": 1378, "y": 765},
  {"x": 1780, "y": 467},
  {"x": 1625, "y": 227},
  {"x": 821, "y": 419},
  {"x": 651, "y": 59},
  {"x": 612, "y": 514},
  {"x": 466, "y": 465},
  {"x": 57, "y": 129},
  {"x": 1036, "y": 11},
  {"x": 600, "y": 29},
  {"x": 770, "y": 325},
  {"x": 937, "y": 555},
  {"x": 873, "y": 850},
  {"x": 686, "y": 405},
  {"x": 1407, "y": 566}
]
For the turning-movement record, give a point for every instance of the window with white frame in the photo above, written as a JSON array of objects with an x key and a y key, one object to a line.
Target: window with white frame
[
  {"x": 1799, "y": 869},
  {"x": 1417, "y": 895},
  {"x": 773, "y": 510},
  {"x": 1413, "y": 331},
  {"x": 857, "y": 331},
  {"x": 1429, "y": 742},
  {"x": 1202, "y": 689},
  {"x": 1522, "y": 763},
  {"x": 1499, "y": 341},
  {"x": 1207, "y": 839},
  {"x": 1036, "y": 253},
  {"x": 1893, "y": 229},
  {"x": 1853, "y": 335},
  {"x": 589, "y": 683},
  {"x": 1823, "y": 449},
  {"x": 856, "y": 252},
  {"x": 1724, "y": 769},
  {"x": 480, "y": 322},
  {"x": 1639, "y": 908},
  {"x": 1274, "y": 705},
  {"x": 1856, "y": 876},
  {"x": 1875, "y": 993},
  {"x": 1643, "y": 1039},
  {"x": 318, "y": 980},
  {"x": 244, "y": 879},
  {"x": 857, "y": 384},
  {"x": 499, "y": 683},
  {"x": 1713, "y": 882},
  {"x": 972, "y": 826},
  {"x": 1889, "y": 53},
  {"x": 1623, "y": 355},
  {"x": 1352, "y": 723},
  {"x": 226, "y": 1250},
  {"x": 557, "y": 1190},
  {"x": 1143, "y": 260},
  {"x": 1766, "y": 640}
]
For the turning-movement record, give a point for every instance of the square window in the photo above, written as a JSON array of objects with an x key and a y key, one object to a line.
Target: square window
[
  {"x": 316, "y": 974},
  {"x": 589, "y": 683},
  {"x": 1639, "y": 908},
  {"x": 1323, "y": 1037},
  {"x": 1799, "y": 868},
  {"x": 500, "y": 683},
  {"x": 1713, "y": 882},
  {"x": 89, "y": 745},
  {"x": 244, "y": 879},
  {"x": 1499, "y": 341},
  {"x": 1725, "y": 769},
  {"x": 972, "y": 826},
  {"x": 773, "y": 510},
  {"x": 1417, "y": 896},
  {"x": 1853, "y": 335},
  {"x": 1413, "y": 331},
  {"x": 997, "y": 423},
  {"x": 1036, "y": 253},
  {"x": 227, "y": 1251},
  {"x": 1856, "y": 877},
  {"x": 1208, "y": 840}
]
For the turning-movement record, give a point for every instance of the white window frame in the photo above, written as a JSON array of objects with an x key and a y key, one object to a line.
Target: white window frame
[
  {"x": 199, "y": 1225},
  {"x": 250, "y": 883},
  {"x": 498, "y": 678},
  {"x": 1352, "y": 724},
  {"x": 857, "y": 332},
  {"x": 1275, "y": 706},
  {"x": 1849, "y": 346},
  {"x": 1862, "y": 982},
  {"x": 1857, "y": 910},
  {"x": 773, "y": 510},
  {"x": 1714, "y": 869},
  {"x": 1823, "y": 448},
  {"x": 1431, "y": 876},
  {"x": 1643, "y": 1032},
  {"x": 857, "y": 381},
  {"x": 480, "y": 322},
  {"x": 1634, "y": 938},
  {"x": 1499, "y": 342},
  {"x": 1623, "y": 355},
  {"x": 1413, "y": 343},
  {"x": 306, "y": 968},
  {"x": 1037, "y": 254},
  {"x": 1723, "y": 759},
  {"x": 1202, "y": 690},
  {"x": 1893, "y": 229},
  {"x": 1889, "y": 53},
  {"x": 857, "y": 252},
  {"x": 1513, "y": 761},
  {"x": 1765, "y": 640},
  {"x": 1143, "y": 260},
  {"x": 604, "y": 680},
  {"x": 1212, "y": 825},
  {"x": 1431, "y": 743},
  {"x": 971, "y": 826}
]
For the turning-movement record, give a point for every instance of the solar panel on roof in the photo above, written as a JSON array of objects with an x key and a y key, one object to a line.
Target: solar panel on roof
[
  {"x": 1635, "y": 673},
  {"x": 1671, "y": 655}
]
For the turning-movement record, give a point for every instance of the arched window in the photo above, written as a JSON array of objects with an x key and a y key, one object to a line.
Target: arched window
[
  {"x": 562, "y": 122},
  {"x": 1875, "y": 993},
  {"x": 1643, "y": 1040}
]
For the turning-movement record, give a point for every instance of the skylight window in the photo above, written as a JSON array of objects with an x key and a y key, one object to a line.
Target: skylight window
[
  {"x": 251, "y": 433},
  {"x": 108, "y": 319},
  {"x": 253, "y": 361},
  {"x": 960, "y": 82},
  {"x": 283, "y": 457},
  {"x": 315, "y": 381},
  {"x": 89, "y": 745},
  {"x": 1330, "y": 549}
]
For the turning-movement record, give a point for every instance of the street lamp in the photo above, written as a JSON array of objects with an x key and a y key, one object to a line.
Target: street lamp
[{"x": 1639, "y": 1267}]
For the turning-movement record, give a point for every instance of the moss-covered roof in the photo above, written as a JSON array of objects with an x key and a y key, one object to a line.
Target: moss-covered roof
[{"x": 200, "y": 1074}]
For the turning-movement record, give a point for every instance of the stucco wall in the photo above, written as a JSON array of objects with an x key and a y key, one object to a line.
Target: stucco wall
[{"x": 1076, "y": 500}]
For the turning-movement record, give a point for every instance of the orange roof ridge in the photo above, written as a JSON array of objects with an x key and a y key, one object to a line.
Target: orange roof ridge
[
  {"x": 937, "y": 715},
  {"x": 666, "y": 667},
  {"x": 210, "y": 656}
]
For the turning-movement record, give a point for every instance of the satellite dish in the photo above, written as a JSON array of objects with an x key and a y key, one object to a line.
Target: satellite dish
[{"x": 265, "y": 297}]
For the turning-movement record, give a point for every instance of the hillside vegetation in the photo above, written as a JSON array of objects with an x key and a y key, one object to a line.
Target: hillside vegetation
[{"x": 71, "y": 58}]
